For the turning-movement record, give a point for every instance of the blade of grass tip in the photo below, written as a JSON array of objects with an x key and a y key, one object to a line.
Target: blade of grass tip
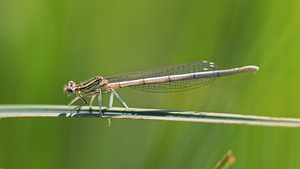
[{"x": 226, "y": 162}]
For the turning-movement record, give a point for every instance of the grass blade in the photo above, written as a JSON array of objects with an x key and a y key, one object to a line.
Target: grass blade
[
  {"x": 13, "y": 111},
  {"x": 226, "y": 162}
]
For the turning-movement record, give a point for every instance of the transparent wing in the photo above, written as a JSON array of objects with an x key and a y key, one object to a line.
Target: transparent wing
[{"x": 173, "y": 86}]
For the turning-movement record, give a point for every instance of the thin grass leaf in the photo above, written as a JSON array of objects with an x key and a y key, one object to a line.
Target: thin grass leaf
[
  {"x": 13, "y": 111},
  {"x": 226, "y": 162}
]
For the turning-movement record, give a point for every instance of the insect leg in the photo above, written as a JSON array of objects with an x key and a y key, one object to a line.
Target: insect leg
[
  {"x": 74, "y": 100},
  {"x": 118, "y": 97},
  {"x": 92, "y": 99},
  {"x": 111, "y": 100},
  {"x": 100, "y": 101}
]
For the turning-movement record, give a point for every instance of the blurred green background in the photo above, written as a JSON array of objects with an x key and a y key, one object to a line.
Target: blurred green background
[{"x": 44, "y": 44}]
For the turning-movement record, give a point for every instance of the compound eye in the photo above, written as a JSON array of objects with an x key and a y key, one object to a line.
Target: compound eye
[
  {"x": 71, "y": 83},
  {"x": 68, "y": 90}
]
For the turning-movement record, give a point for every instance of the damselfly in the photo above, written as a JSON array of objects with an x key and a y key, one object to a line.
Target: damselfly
[{"x": 167, "y": 79}]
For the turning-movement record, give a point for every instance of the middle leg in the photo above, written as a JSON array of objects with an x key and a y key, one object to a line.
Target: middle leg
[
  {"x": 111, "y": 100},
  {"x": 100, "y": 101}
]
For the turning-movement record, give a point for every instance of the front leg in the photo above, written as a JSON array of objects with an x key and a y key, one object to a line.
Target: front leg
[
  {"x": 75, "y": 99},
  {"x": 84, "y": 102}
]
